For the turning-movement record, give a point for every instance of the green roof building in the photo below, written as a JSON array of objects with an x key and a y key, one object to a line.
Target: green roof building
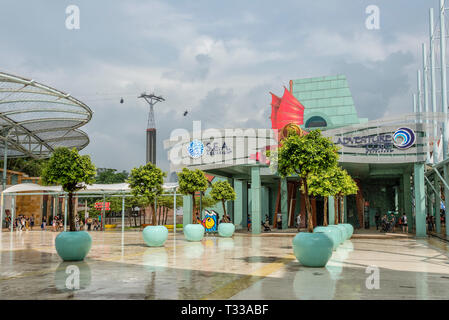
[{"x": 328, "y": 102}]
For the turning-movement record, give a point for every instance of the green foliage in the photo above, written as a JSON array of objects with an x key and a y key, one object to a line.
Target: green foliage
[
  {"x": 66, "y": 167},
  {"x": 146, "y": 181},
  {"x": 325, "y": 183},
  {"x": 30, "y": 166},
  {"x": 302, "y": 155},
  {"x": 191, "y": 181},
  {"x": 311, "y": 157},
  {"x": 69, "y": 169},
  {"x": 222, "y": 191},
  {"x": 206, "y": 202},
  {"x": 109, "y": 176}
]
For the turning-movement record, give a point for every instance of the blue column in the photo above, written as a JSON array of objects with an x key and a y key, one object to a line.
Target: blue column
[
  {"x": 187, "y": 205},
  {"x": 408, "y": 200},
  {"x": 420, "y": 200},
  {"x": 284, "y": 203},
  {"x": 238, "y": 204},
  {"x": 331, "y": 210},
  {"x": 255, "y": 200}
]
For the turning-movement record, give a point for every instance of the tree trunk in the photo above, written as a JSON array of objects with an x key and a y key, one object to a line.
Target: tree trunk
[
  {"x": 153, "y": 220},
  {"x": 325, "y": 212},
  {"x": 193, "y": 208},
  {"x": 308, "y": 207},
  {"x": 71, "y": 216},
  {"x": 336, "y": 211},
  {"x": 225, "y": 217}
]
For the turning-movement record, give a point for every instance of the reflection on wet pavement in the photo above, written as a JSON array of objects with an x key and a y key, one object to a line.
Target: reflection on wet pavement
[{"x": 242, "y": 267}]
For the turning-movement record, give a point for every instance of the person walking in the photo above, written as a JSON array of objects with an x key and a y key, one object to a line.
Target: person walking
[
  {"x": 404, "y": 223},
  {"x": 32, "y": 222},
  {"x": 44, "y": 223},
  {"x": 89, "y": 223},
  {"x": 377, "y": 219},
  {"x": 298, "y": 222}
]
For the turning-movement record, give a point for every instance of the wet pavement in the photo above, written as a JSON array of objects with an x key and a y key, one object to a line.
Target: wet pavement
[{"x": 121, "y": 266}]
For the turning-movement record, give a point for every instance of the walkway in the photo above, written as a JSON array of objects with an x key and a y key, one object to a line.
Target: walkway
[{"x": 244, "y": 267}]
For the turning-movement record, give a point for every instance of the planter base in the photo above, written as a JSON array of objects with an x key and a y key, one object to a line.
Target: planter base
[{"x": 73, "y": 246}]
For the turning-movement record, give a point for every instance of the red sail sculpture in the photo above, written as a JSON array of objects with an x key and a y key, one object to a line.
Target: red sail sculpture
[{"x": 286, "y": 110}]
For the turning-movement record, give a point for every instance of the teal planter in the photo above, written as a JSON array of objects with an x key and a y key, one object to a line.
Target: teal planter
[
  {"x": 72, "y": 276},
  {"x": 312, "y": 249},
  {"x": 194, "y": 232},
  {"x": 226, "y": 229},
  {"x": 339, "y": 234},
  {"x": 344, "y": 231},
  {"x": 349, "y": 229},
  {"x": 155, "y": 236},
  {"x": 331, "y": 233},
  {"x": 73, "y": 245}
]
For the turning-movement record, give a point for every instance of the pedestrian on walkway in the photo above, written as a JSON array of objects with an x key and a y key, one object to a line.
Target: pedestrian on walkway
[
  {"x": 298, "y": 221},
  {"x": 404, "y": 223}
]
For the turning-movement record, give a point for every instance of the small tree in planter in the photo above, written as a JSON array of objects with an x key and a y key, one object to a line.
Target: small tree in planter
[
  {"x": 223, "y": 191},
  {"x": 73, "y": 172},
  {"x": 347, "y": 186},
  {"x": 191, "y": 181},
  {"x": 146, "y": 182},
  {"x": 303, "y": 156},
  {"x": 70, "y": 170}
]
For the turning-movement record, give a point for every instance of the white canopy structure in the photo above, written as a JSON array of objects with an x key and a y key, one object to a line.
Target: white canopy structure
[
  {"x": 94, "y": 188},
  {"x": 117, "y": 189}
]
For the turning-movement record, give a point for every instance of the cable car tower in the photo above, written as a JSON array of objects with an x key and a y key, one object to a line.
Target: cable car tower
[{"x": 151, "y": 99}]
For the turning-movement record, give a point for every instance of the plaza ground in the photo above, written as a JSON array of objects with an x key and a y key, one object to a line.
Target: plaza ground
[{"x": 121, "y": 266}]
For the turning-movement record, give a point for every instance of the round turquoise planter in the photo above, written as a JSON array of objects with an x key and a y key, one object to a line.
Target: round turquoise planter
[
  {"x": 312, "y": 249},
  {"x": 338, "y": 232},
  {"x": 73, "y": 245},
  {"x": 155, "y": 236},
  {"x": 72, "y": 276},
  {"x": 226, "y": 229},
  {"x": 345, "y": 232},
  {"x": 331, "y": 233},
  {"x": 349, "y": 229},
  {"x": 194, "y": 232}
]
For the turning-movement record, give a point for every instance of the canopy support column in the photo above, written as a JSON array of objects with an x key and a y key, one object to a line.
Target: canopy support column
[
  {"x": 65, "y": 213},
  {"x": 174, "y": 213}
]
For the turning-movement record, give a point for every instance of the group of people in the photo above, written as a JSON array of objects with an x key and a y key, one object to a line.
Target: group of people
[
  {"x": 21, "y": 223},
  {"x": 388, "y": 223}
]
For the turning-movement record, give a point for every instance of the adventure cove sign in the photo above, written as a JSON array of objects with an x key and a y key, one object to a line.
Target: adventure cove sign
[
  {"x": 381, "y": 141},
  {"x": 402, "y": 138}
]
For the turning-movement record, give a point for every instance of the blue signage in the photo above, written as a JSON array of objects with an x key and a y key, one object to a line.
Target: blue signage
[
  {"x": 403, "y": 138},
  {"x": 195, "y": 149}
]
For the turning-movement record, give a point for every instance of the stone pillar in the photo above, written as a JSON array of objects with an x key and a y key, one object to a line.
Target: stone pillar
[
  {"x": 420, "y": 200},
  {"x": 255, "y": 200},
  {"x": 436, "y": 185},
  {"x": 284, "y": 203},
  {"x": 331, "y": 210},
  {"x": 407, "y": 200},
  {"x": 187, "y": 206}
]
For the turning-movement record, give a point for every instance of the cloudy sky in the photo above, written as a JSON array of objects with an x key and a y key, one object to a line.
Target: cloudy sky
[{"x": 216, "y": 59}]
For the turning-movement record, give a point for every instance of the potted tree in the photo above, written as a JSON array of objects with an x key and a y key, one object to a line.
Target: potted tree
[
  {"x": 146, "y": 182},
  {"x": 302, "y": 156},
  {"x": 73, "y": 172},
  {"x": 223, "y": 191},
  {"x": 191, "y": 181}
]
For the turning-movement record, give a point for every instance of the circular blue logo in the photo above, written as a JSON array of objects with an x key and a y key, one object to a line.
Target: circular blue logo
[
  {"x": 404, "y": 138},
  {"x": 195, "y": 149}
]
